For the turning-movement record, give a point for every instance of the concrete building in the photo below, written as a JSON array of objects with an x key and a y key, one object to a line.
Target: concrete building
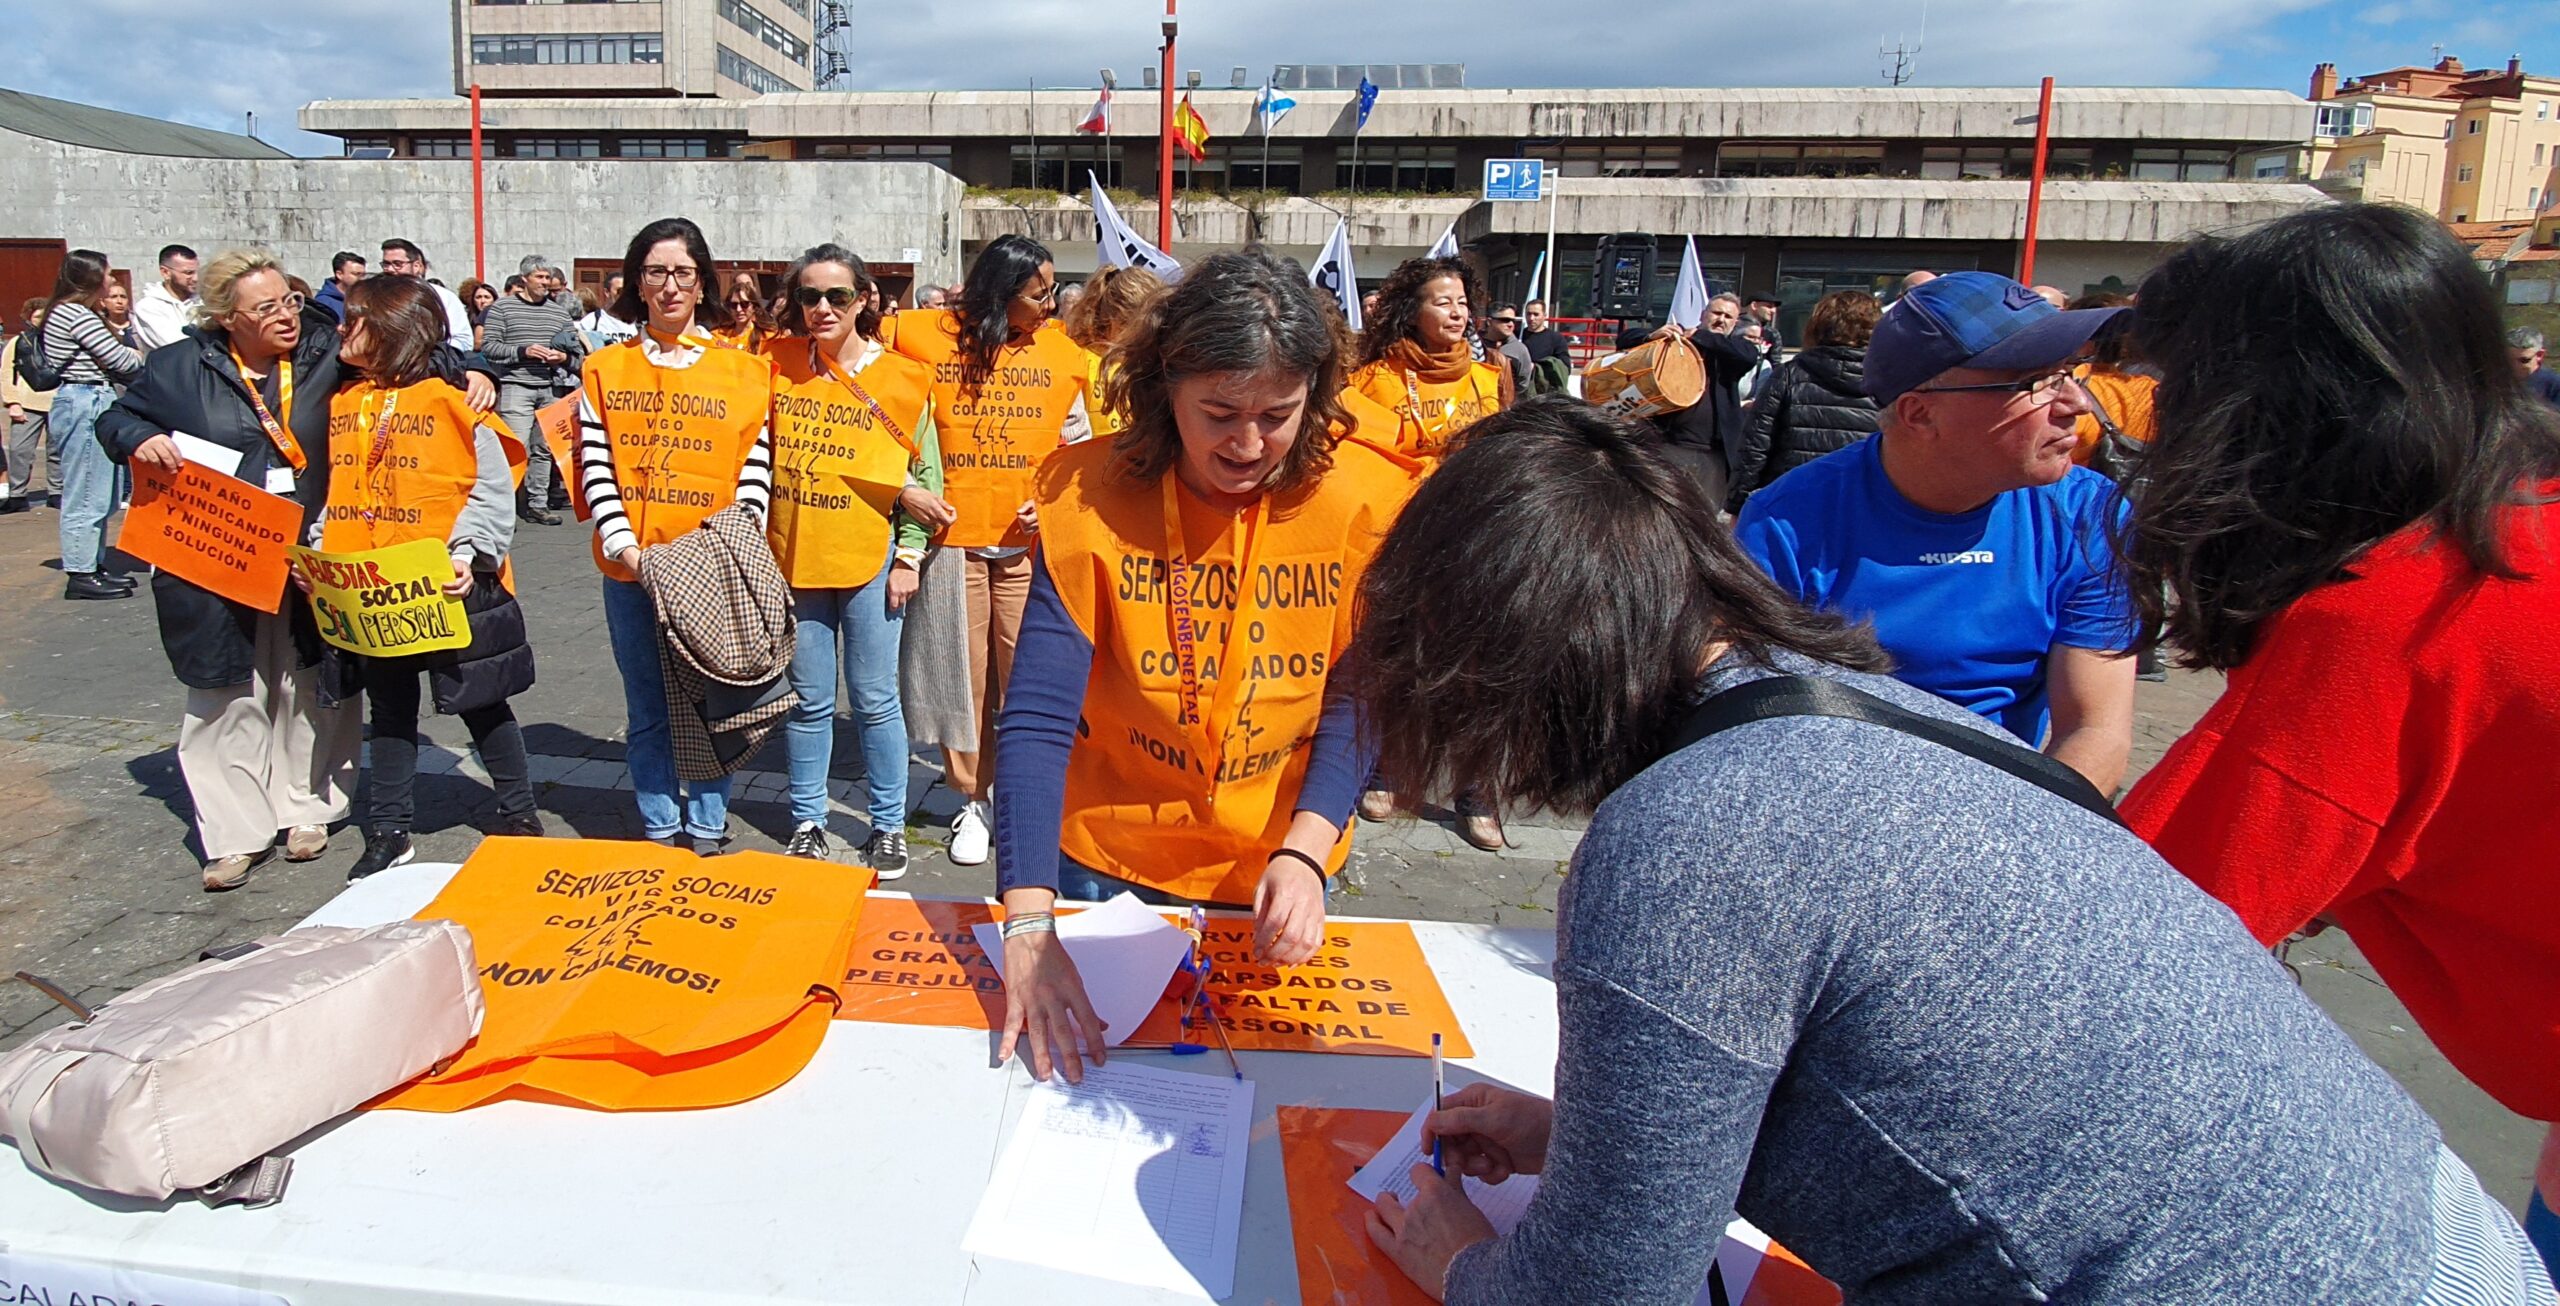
[
  {"x": 634, "y": 47},
  {"x": 2467, "y": 146},
  {"x": 1789, "y": 191},
  {"x": 73, "y": 176}
]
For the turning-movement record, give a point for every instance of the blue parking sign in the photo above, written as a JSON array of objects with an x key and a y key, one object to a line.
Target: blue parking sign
[{"x": 1514, "y": 179}]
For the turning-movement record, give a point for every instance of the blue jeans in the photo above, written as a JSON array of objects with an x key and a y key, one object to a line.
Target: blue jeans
[
  {"x": 2543, "y": 1229},
  {"x": 88, "y": 476},
  {"x": 860, "y": 623},
  {"x": 648, "y": 749}
]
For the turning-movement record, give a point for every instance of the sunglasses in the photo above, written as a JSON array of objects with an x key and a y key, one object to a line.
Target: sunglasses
[{"x": 838, "y": 298}]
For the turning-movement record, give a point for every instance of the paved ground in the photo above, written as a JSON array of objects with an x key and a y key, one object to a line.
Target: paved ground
[{"x": 98, "y": 873}]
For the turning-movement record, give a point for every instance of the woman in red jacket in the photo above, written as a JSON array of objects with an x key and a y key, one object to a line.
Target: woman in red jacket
[{"x": 2356, "y": 515}]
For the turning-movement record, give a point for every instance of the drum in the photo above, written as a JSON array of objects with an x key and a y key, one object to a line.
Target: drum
[{"x": 1660, "y": 376}]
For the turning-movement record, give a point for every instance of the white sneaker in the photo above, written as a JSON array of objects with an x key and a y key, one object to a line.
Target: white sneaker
[{"x": 969, "y": 835}]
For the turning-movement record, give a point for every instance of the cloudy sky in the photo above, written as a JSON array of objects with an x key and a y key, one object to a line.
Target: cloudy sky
[{"x": 210, "y": 62}]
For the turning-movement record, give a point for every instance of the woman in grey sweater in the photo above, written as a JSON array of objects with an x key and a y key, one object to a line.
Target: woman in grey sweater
[{"x": 1942, "y": 1032}]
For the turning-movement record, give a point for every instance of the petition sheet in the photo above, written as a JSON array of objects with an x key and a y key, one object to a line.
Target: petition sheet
[
  {"x": 1137, "y": 1174},
  {"x": 1125, "y": 953}
]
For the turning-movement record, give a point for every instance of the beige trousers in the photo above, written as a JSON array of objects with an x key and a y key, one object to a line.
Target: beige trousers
[
  {"x": 999, "y": 588},
  {"x": 264, "y": 756}
]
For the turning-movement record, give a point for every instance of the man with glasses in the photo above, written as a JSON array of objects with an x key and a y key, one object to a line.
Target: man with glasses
[
  {"x": 403, "y": 259},
  {"x": 1963, "y": 530}
]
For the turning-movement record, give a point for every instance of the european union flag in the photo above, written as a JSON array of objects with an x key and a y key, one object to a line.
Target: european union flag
[{"x": 1368, "y": 101}]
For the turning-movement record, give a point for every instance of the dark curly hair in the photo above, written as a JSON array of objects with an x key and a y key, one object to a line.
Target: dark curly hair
[
  {"x": 1489, "y": 659},
  {"x": 1234, "y": 312},
  {"x": 2330, "y": 378},
  {"x": 1400, "y": 302}
]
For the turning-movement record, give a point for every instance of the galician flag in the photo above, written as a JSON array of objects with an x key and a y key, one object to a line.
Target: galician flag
[
  {"x": 1120, "y": 246},
  {"x": 1333, "y": 276},
  {"x": 1272, "y": 107},
  {"x": 1190, "y": 132},
  {"x": 1098, "y": 122}
]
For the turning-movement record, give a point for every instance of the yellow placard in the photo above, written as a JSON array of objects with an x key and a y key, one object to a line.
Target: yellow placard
[{"x": 385, "y": 602}]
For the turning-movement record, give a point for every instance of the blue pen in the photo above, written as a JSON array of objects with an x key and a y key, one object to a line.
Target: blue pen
[{"x": 1435, "y": 1103}]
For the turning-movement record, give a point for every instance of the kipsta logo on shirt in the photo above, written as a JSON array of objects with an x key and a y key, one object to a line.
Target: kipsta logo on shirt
[{"x": 1969, "y": 555}]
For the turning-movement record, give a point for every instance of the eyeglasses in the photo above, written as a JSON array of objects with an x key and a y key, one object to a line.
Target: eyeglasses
[
  {"x": 684, "y": 278},
  {"x": 2043, "y": 388},
  {"x": 288, "y": 306},
  {"x": 1044, "y": 297},
  {"x": 838, "y": 298}
]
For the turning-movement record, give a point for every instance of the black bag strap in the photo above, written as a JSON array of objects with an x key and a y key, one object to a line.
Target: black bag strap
[{"x": 1783, "y": 696}]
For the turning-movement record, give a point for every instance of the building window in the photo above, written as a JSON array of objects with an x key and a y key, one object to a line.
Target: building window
[
  {"x": 1420, "y": 169},
  {"x": 1244, "y": 167},
  {"x": 1952, "y": 162},
  {"x": 2342, "y": 119},
  {"x": 1063, "y": 166},
  {"x": 2471, "y": 128},
  {"x": 2533, "y": 199},
  {"x": 556, "y": 147},
  {"x": 939, "y": 155},
  {"x": 2541, "y": 110},
  {"x": 2181, "y": 165},
  {"x": 440, "y": 147},
  {"x": 2271, "y": 167},
  {"x": 2537, "y": 154},
  {"x": 2462, "y": 173},
  {"x": 662, "y": 147},
  {"x": 2355, "y": 171},
  {"x": 752, "y": 20},
  {"x": 1608, "y": 160},
  {"x": 601, "y": 48},
  {"x": 747, "y": 73},
  {"x": 356, "y": 147},
  {"x": 1787, "y": 159}
]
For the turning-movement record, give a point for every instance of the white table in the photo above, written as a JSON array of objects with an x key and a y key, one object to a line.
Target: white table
[{"x": 851, "y": 1183}]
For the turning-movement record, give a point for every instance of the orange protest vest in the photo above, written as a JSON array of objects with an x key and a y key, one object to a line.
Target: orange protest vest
[
  {"x": 1195, "y": 806},
  {"x": 402, "y": 464},
  {"x": 993, "y": 438},
  {"x": 679, "y": 434},
  {"x": 839, "y": 462},
  {"x": 1428, "y": 413}
]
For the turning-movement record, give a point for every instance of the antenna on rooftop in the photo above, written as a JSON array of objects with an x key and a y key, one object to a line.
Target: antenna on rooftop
[{"x": 1902, "y": 62}]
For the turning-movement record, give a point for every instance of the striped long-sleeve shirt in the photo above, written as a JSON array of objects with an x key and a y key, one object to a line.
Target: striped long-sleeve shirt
[
  {"x": 595, "y": 455},
  {"x": 88, "y": 352}
]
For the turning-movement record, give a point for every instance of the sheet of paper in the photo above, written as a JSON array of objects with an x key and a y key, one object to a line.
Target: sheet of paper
[
  {"x": 206, "y": 454},
  {"x": 1391, "y": 1171},
  {"x": 1125, "y": 953},
  {"x": 1137, "y": 1174}
]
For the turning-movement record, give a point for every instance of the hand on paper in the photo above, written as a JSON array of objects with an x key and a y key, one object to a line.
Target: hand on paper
[
  {"x": 925, "y": 506},
  {"x": 162, "y": 452},
  {"x": 301, "y": 578},
  {"x": 903, "y": 580},
  {"x": 1423, "y": 1238},
  {"x": 461, "y": 582},
  {"x": 1028, "y": 517},
  {"x": 1288, "y": 912},
  {"x": 1045, "y": 1006},
  {"x": 479, "y": 391},
  {"x": 1491, "y": 1133}
]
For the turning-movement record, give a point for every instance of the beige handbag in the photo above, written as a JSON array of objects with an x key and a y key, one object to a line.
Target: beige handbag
[{"x": 187, "y": 1083}]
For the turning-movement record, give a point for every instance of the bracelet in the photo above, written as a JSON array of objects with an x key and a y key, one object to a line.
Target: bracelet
[
  {"x": 1036, "y": 922},
  {"x": 1312, "y": 863}
]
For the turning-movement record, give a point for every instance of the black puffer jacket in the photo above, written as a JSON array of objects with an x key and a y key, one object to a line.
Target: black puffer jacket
[{"x": 1809, "y": 406}]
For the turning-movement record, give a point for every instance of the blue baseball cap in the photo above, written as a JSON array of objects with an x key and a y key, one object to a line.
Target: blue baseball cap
[{"x": 1971, "y": 319}]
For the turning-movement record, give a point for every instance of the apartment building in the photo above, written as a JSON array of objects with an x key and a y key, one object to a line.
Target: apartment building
[
  {"x": 2467, "y": 145},
  {"x": 701, "y": 48}
]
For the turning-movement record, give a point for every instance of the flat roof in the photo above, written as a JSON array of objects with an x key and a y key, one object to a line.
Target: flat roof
[{"x": 126, "y": 133}]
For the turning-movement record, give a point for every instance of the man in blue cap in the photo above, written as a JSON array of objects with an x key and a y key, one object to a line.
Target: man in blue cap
[{"x": 1963, "y": 530}]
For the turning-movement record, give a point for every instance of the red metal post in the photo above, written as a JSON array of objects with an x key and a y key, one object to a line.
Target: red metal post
[
  {"x": 479, "y": 198},
  {"x": 2035, "y": 184},
  {"x": 1164, "y": 141}
]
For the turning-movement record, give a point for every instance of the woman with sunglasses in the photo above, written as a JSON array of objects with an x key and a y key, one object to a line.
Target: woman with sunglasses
[
  {"x": 673, "y": 426},
  {"x": 749, "y": 322},
  {"x": 1010, "y": 386},
  {"x": 854, "y": 444},
  {"x": 263, "y": 756}
]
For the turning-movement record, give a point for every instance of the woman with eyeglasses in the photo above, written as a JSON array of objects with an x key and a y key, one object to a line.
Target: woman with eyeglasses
[
  {"x": 1009, "y": 386},
  {"x": 673, "y": 426},
  {"x": 749, "y": 320},
  {"x": 263, "y": 755},
  {"x": 857, "y": 464}
]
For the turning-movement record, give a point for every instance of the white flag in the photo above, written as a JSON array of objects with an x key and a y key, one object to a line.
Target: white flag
[
  {"x": 1333, "y": 275},
  {"x": 1447, "y": 245},
  {"x": 1538, "y": 280},
  {"x": 1689, "y": 294},
  {"x": 1121, "y": 247}
]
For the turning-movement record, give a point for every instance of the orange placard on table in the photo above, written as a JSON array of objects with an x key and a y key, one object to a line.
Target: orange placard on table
[
  {"x": 559, "y": 422},
  {"x": 1322, "y": 1147},
  {"x": 1367, "y": 990},
  {"x": 213, "y": 531},
  {"x": 628, "y": 976}
]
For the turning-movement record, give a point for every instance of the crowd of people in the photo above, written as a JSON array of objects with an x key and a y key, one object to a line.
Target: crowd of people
[{"x": 1841, "y": 662}]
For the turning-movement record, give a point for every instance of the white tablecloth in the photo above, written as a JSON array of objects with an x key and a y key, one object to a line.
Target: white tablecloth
[{"x": 852, "y": 1183}]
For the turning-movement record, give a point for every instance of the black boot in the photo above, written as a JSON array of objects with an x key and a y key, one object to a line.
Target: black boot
[{"x": 384, "y": 847}]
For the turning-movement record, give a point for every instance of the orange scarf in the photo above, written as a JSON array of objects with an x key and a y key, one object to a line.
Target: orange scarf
[{"x": 1449, "y": 365}]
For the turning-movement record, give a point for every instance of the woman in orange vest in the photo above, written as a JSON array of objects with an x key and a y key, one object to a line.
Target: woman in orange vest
[
  {"x": 1112, "y": 300},
  {"x": 857, "y": 464},
  {"x": 1009, "y": 386},
  {"x": 672, "y": 427},
  {"x": 1414, "y": 360},
  {"x": 410, "y": 460},
  {"x": 748, "y": 326},
  {"x": 1171, "y": 729}
]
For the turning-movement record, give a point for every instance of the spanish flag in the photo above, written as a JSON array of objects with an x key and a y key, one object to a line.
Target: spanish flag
[{"x": 1189, "y": 132}]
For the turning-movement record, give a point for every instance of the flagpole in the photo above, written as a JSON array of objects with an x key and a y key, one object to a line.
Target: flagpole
[
  {"x": 1164, "y": 140},
  {"x": 1265, "y": 115},
  {"x": 1034, "y": 123}
]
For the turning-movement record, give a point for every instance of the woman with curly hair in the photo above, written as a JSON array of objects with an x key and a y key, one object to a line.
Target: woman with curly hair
[
  {"x": 1171, "y": 729},
  {"x": 1111, "y": 302},
  {"x": 1414, "y": 360}
]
